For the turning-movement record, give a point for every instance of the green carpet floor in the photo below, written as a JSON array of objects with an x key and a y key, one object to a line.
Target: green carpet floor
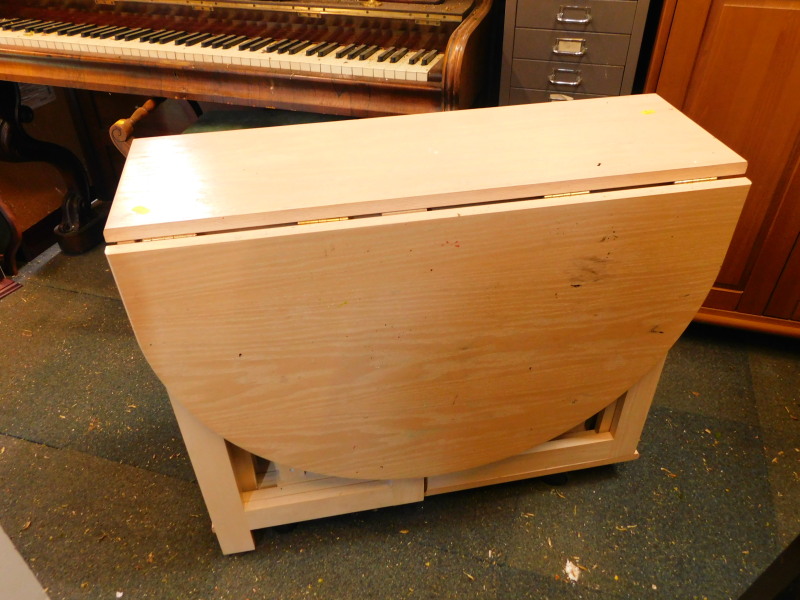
[{"x": 97, "y": 494}]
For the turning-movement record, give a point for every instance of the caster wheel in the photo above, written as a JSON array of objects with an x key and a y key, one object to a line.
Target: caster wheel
[{"x": 556, "y": 479}]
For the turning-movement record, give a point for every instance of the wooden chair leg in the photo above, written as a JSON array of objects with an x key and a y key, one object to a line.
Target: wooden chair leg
[{"x": 218, "y": 483}]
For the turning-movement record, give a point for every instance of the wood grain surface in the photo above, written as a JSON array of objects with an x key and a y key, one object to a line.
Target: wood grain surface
[
  {"x": 230, "y": 180},
  {"x": 419, "y": 344}
]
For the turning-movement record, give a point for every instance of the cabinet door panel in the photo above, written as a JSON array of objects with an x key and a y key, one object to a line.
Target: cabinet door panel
[
  {"x": 732, "y": 66},
  {"x": 744, "y": 89},
  {"x": 785, "y": 302}
]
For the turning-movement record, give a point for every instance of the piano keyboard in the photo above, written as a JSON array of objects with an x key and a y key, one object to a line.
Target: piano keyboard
[{"x": 120, "y": 42}]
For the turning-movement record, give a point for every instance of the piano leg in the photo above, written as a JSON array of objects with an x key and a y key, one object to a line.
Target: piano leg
[{"x": 82, "y": 220}]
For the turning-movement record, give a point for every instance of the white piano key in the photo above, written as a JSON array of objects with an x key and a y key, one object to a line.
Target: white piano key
[{"x": 299, "y": 62}]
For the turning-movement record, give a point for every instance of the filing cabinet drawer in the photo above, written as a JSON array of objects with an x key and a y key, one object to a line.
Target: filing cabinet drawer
[
  {"x": 583, "y": 47},
  {"x": 564, "y": 77},
  {"x": 523, "y": 96},
  {"x": 603, "y": 16}
]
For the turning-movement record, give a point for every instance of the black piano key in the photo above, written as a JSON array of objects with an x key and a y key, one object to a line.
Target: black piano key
[
  {"x": 368, "y": 52},
  {"x": 199, "y": 39},
  {"x": 6, "y": 23},
  {"x": 287, "y": 47},
  {"x": 158, "y": 38},
  {"x": 138, "y": 36},
  {"x": 231, "y": 43},
  {"x": 122, "y": 34},
  {"x": 145, "y": 37},
  {"x": 98, "y": 32},
  {"x": 398, "y": 55},
  {"x": 51, "y": 26},
  {"x": 249, "y": 42},
  {"x": 26, "y": 26},
  {"x": 22, "y": 24},
  {"x": 428, "y": 57},
  {"x": 217, "y": 43},
  {"x": 300, "y": 47},
  {"x": 135, "y": 33},
  {"x": 208, "y": 41},
  {"x": 327, "y": 49},
  {"x": 315, "y": 48},
  {"x": 76, "y": 30},
  {"x": 386, "y": 53},
  {"x": 152, "y": 36},
  {"x": 68, "y": 30},
  {"x": 184, "y": 37},
  {"x": 38, "y": 28},
  {"x": 168, "y": 37},
  {"x": 111, "y": 32},
  {"x": 171, "y": 37},
  {"x": 58, "y": 29},
  {"x": 342, "y": 51},
  {"x": 15, "y": 21},
  {"x": 260, "y": 45},
  {"x": 276, "y": 44},
  {"x": 281, "y": 49},
  {"x": 55, "y": 27},
  {"x": 355, "y": 52},
  {"x": 414, "y": 59},
  {"x": 88, "y": 32},
  {"x": 192, "y": 39}
]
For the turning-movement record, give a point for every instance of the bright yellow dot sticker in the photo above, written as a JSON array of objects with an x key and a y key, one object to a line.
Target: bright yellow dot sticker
[
  {"x": 648, "y": 112},
  {"x": 140, "y": 210}
]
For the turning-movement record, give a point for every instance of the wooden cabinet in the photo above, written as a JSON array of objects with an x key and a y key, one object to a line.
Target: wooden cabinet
[
  {"x": 732, "y": 66},
  {"x": 554, "y": 50}
]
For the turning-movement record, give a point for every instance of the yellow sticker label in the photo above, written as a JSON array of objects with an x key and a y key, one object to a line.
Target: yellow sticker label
[
  {"x": 140, "y": 210},
  {"x": 648, "y": 112}
]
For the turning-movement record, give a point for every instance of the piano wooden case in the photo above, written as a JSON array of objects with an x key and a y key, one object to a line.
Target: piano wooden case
[
  {"x": 358, "y": 314},
  {"x": 160, "y": 64}
]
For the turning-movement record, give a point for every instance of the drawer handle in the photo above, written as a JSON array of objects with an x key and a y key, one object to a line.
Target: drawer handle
[
  {"x": 585, "y": 19},
  {"x": 558, "y": 72},
  {"x": 570, "y": 46}
]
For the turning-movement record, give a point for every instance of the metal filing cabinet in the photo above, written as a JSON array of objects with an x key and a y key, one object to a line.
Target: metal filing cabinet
[{"x": 557, "y": 50}]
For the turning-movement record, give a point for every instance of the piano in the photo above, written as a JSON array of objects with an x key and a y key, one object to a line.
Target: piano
[{"x": 347, "y": 57}]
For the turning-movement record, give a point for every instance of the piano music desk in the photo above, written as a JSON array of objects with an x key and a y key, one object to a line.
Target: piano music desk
[{"x": 358, "y": 314}]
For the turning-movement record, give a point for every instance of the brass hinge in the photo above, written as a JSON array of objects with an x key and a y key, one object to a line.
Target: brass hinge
[
  {"x": 696, "y": 180},
  {"x": 316, "y": 221},
  {"x": 169, "y": 237},
  {"x": 566, "y": 194}
]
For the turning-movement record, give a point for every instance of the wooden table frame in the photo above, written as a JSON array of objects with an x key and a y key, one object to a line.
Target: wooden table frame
[
  {"x": 337, "y": 347},
  {"x": 241, "y": 499}
]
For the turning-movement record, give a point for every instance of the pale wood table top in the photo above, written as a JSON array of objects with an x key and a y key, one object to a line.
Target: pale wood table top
[
  {"x": 415, "y": 344},
  {"x": 230, "y": 180}
]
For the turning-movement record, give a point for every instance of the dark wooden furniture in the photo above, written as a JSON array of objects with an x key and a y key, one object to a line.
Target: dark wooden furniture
[
  {"x": 733, "y": 68},
  {"x": 555, "y": 50},
  {"x": 457, "y": 29},
  {"x": 27, "y": 195}
]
